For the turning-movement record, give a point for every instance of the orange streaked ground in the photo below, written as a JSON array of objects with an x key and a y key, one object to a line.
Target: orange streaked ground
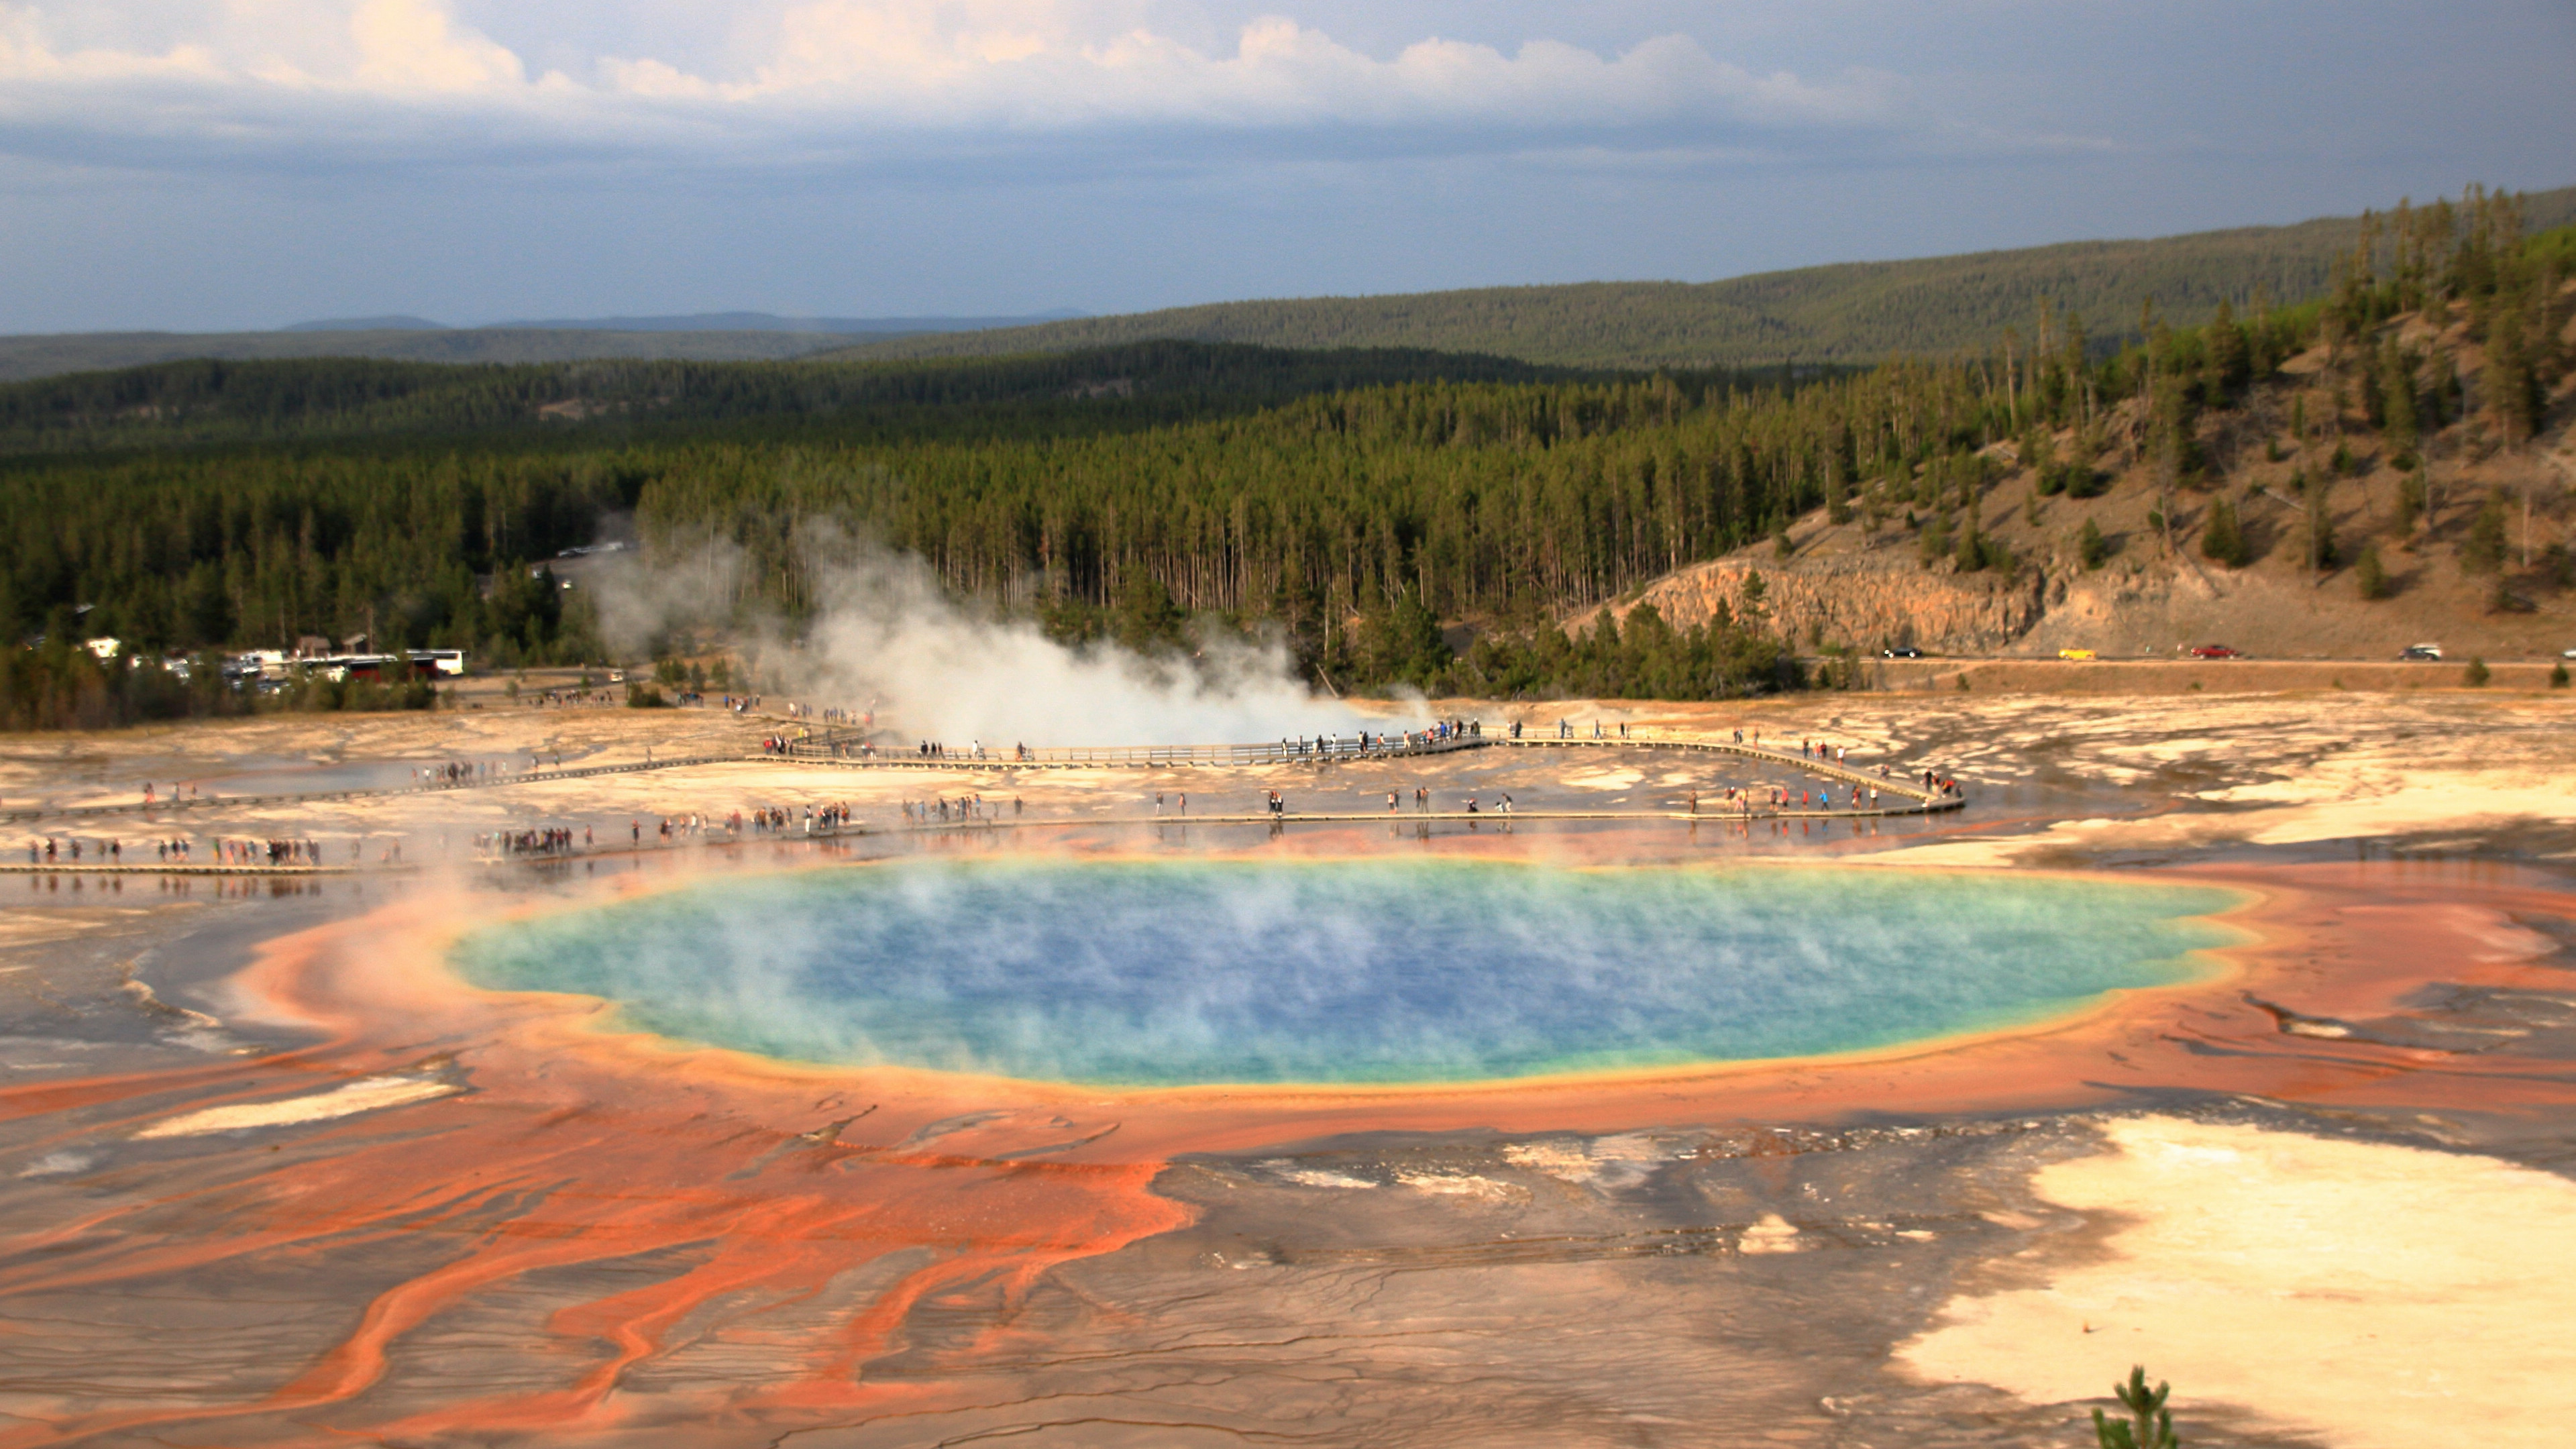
[{"x": 865, "y": 1196}]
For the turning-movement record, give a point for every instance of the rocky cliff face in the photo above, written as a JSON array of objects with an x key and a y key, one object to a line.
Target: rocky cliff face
[{"x": 1869, "y": 600}]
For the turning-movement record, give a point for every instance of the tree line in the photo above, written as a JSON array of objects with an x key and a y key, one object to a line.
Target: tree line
[{"x": 1348, "y": 502}]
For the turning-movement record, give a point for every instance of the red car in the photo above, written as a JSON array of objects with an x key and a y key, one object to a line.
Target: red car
[{"x": 2215, "y": 651}]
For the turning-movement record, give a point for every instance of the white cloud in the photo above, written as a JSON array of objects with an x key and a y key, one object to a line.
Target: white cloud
[
  {"x": 837, "y": 78},
  {"x": 410, "y": 45},
  {"x": 1025, "y": 63}
]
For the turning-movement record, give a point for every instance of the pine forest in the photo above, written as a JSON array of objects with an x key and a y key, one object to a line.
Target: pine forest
[{"x": 1351, "y": 502}]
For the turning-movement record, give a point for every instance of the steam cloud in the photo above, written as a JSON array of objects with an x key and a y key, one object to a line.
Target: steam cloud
[{"x": 888, "y": 638}]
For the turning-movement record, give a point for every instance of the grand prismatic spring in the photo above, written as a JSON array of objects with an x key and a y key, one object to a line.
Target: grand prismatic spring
[
  {"x": 1057, "y": 1116},
  {"x": 1183, "y": 974}
]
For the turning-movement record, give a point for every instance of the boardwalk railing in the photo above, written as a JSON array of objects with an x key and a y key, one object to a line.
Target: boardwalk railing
[
  {"x": 178, "y": 803},
  {"x": 1905, "y": 785},
  {"x": 850, "y": 747},
  {"x": 846, "y": 747}
]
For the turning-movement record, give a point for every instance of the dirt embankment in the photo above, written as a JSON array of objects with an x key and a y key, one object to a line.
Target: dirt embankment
[{"x": 1872, "y": 597}]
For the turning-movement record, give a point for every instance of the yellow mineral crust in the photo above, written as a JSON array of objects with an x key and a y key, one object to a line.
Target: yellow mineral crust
[{"x": 2380, "y": 1297}]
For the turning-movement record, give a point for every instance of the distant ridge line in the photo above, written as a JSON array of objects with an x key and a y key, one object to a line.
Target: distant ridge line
[
  {"x": 749, "y": 337},
  {"x": 772, "y": 322},
  {"x": 1848, "y": 312},
  {"x": 1851, "y": 313}
]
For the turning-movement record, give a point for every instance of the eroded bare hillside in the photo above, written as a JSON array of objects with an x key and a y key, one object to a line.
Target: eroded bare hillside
[{"x": 2468, "y": 530}]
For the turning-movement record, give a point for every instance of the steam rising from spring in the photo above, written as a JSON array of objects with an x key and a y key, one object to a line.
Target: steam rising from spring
[
  {"x": 888, "y": 632},
  {"x": 887, "y": 637},
  {"x": 1175, "y": 972}
]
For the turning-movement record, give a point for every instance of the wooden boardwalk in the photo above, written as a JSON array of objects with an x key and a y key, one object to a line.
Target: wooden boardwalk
[
  {"x": 1332, "y": 752},
  {"x": 386, "y": 792},
  {"x": 1722, "y": 817},
  {"x": 1142, "y": 757}
]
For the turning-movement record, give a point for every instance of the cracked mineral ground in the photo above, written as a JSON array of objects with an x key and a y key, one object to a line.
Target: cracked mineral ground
[{"x": 272, "y": 1173}]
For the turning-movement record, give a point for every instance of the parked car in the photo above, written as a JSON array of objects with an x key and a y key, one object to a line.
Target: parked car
[
  {"x": 1908, "y": 651},
  {"x": 2075, "y": 654},
  {"x": 2216, "y": 651},
  {"x": 2422, "y": 652}
]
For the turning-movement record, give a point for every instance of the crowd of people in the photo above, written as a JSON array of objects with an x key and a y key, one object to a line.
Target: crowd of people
[
  {"x": 1739, "y": 799},
  {"x": 827, "y": 714},
  {"x": 268, "y": 852},
  {"x": 818, "y": 819},
  {"x": 53, "y": 851},
  {"x": 180, "y": 850},
  {"x": 1836, "y": 795},
  {"x": 471, "y": 772},
  {"x": 552, "y": 840},
  {"x": 1362, "y": 742},
  {"x": 966, "y": 809}
]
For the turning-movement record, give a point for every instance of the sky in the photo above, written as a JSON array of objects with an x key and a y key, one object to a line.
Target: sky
[{"x": 203, "y": 165}]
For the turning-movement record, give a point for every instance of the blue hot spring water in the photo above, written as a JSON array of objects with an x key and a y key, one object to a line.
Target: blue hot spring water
[{"x": 1169, "y": 974}]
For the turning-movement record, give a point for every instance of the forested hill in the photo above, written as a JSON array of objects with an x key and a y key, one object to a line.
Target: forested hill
[
  {"x": 1855, "y": 313},
  {"x": 1136, "y": 384},
  {"x": 1348, "y": 505}
]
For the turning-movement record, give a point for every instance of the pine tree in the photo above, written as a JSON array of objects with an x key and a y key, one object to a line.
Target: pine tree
[
  {"x": 1841, "y": 471},
  {"x": 2483, "y": 552},
  {"x": 1971, "y": 553},
  {"x": 2512, "y": 386},
  {"x": 2220, "y": 538},
  {"x": 2150, "y": 1424},
  {"x": 2229, "y": 368},
  {"x": 2397, "y": 383},
  {"x": 2369, "y": 575},
  {"x": 2090, "y": 546}
]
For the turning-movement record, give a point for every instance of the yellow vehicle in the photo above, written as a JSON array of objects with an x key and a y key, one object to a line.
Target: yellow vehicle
[{"x": 2074, "y": 653}]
